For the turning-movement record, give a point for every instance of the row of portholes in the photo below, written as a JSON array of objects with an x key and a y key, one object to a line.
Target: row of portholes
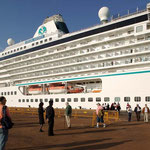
[
  {"x": 90, "y": 99},
  {"x": 9, "y": 93}
]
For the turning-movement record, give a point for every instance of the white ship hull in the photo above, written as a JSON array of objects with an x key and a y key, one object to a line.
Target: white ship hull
[{"x": 129, "y": 84}]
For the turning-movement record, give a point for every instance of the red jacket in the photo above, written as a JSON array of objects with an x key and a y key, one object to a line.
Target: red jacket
[{"x": 144, "y": 110}]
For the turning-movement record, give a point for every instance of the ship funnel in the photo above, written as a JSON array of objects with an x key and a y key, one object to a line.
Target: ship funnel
[{"x": 104, "y": 14}]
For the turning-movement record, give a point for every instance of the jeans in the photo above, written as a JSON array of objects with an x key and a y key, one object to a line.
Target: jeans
[{"x": 3, "y": 138}]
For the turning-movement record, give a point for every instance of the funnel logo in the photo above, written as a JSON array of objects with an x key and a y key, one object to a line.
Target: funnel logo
[{"x": 42, "y": 30}]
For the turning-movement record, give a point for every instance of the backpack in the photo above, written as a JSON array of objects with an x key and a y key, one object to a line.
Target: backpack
[
  {"x": 100, "y": 113},
  {"x": 6, "y": 121}
]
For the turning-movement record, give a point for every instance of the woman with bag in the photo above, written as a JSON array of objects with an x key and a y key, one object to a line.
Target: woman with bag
[{"x": 3, "y": 130}]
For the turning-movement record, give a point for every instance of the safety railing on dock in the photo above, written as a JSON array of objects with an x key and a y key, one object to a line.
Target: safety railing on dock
[{"x": 109, "y": 116}]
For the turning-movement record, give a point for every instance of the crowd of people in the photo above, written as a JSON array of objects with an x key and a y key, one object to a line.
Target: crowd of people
[{"x": 138, "y": 110}]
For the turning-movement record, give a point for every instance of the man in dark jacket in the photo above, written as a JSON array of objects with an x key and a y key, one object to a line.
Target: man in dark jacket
[
  {"x": 68, "y": 113},
  {"x": 137, "y": 110},
  {"x": 50, "y": 114}
]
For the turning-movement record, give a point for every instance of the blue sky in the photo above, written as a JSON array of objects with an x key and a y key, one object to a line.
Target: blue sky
[{"x": 19, "y": 19}]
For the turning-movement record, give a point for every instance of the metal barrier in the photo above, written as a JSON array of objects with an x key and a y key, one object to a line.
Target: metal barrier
[{"x": 109, "y": 116}]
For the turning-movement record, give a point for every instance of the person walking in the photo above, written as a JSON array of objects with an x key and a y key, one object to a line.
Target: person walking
[
  {"x": 50, "y": 114},
  {"x": 68, "y": 113},
  {"x": 100, "y": 115},
  {"x": 41, "y": 115},
  {"x": 129, "y": 110},
  {"x": 3, "y": 131},
  {"x": 145, "y": 111},
  {"x": 137, "y": 110}
]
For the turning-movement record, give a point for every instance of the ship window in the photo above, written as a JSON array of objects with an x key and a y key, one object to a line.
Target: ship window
[
  {"x": 37, "y": 43},
  {"x": 137, "y": 99},
  {"x": 139, "y": 29},
  {"x": 8, "y": 93},
  {"x": 41, "y": 42},
  {"x": 147, "y": 98},
  {"x": 20, "y": 48},
  {"x": 62, "y": 99},
  {"x": 50, "y": 39},
  {"x": 32, "y": 44},
  {"x": 17, "y": 49},
  {"x": 46, "y": 100},
  {"x": 11, "y": 92},
  {"x": 27, "y": 100},
  {"x": 45, "y": 40},
  {"x": 2, "y": 53},
  {"x": 75, "y": 99},
  {"x": 23, "y": 100},
  {"x": 2, "y": 93},
  {"x": 36, "y": 100},
  {"x": 24, "y": 47},
  {"x": 14, "y": 50},
  {"x": 98, "y": 99},
  {"x": 106, "y": 99},
  {"x": 68, "y": 99},
  {"x": 127, "y": 99},
  {"x": 31, "y": 100},
  {"x": 117, "y": 99},
  {"x": 90, "y": 99},
  {"x": 19, "y": 100},
  {"x": 15, "y": 93},
  {"x": 56, "y": 99},
  {"x": 82, "y": 99}
]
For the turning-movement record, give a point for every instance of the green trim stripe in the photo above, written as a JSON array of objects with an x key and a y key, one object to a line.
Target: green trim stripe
[{"x": 71, "y": 79}]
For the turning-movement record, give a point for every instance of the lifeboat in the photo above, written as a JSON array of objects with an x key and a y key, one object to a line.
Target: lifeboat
[
  {"x": 76, "y": 90},
  {"x": 35, "y": 89},
  {"x": 56, "y": 88}
]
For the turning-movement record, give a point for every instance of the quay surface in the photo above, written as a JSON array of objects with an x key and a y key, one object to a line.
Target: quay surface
[{"x": 121, "y": 135}]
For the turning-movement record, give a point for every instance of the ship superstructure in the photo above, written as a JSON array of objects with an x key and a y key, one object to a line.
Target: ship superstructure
[{"x": 106, "y": 63}]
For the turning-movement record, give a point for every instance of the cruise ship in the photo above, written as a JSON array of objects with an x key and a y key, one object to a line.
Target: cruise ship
[{"x": 106, "y": 63}]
